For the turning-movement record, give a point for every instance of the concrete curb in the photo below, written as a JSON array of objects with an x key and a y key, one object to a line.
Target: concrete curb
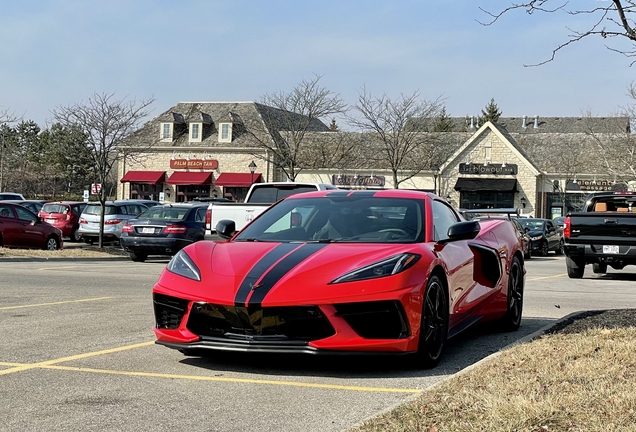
[{"x": 525, "y": 339}]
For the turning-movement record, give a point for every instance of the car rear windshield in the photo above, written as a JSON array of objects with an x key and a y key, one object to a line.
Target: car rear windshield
[
  {"x": 164, "y": 213},
  {"x": 95, "y": 209},
  {"x": 269, "y": 195},
  {"x": 54, "y": 208}
]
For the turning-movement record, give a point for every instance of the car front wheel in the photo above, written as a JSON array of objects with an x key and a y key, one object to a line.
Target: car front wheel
[
  {"x": 434, "y": 324},
  {"x": 52, "y": 243},
  {"x": 75, "y": 235}
]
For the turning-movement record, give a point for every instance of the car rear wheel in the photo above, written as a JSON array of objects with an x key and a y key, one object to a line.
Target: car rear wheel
[
  {"x": 138, "y": 257},
  {"x": 88, "y": 241},
  {"x": 75, "y": 235},
  {"x": 434, "y": 324},
  {"x": 561, "y": 248},
  {"x": 575, "y": 268},
  {"x": 528, "y": 254},
  {"x": 512, "y": 319},
  {"x": 599, "y": 268},
  {"x": 52, "y": 243}
]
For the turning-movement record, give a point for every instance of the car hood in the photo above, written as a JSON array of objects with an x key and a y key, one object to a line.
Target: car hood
[
  {"x": 535, "y": 233},
  {"x": 257, "y": 273}
]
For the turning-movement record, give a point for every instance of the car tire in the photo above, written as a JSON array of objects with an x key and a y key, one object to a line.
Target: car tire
[
  {"x": 138, "y": 257},
  {"x": 561, "y": 248},
  {"x": 433, "y": 324},
  {"x": 88, "y": 241},
  {"x": 52, "y": 243},
  {"x": 511, "y": 321},
  {"x": 599, "y": 268},
  {"x": 75, "y": 235},
  {"x": 575, "y": 268},
  {"x": 544, "y": 249},
  {"x": 1, "y": 241},
  {"x": 528, "y": 254}
]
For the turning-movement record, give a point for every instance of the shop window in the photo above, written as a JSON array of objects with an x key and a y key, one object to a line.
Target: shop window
[
  {"x": 187, "y": 193},
  {"x": 144, "y": 191},
  {"x": 486, "y": 199}
]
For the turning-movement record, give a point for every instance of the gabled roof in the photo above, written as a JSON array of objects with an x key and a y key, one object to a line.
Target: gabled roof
[{"x": 503, "y": 136}]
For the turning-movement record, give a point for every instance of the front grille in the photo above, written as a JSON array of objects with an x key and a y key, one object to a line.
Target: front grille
[
  {"x": 169, "y": 311},
  {"x": 303, "y": 323},
  {"x": 375, "y": 320}
]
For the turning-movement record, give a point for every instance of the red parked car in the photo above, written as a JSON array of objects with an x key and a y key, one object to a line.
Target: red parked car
[
  {"x": 21, "y": 228},
  {"x": 64, "y": 215},
  {"x": 337, "y": 271}
]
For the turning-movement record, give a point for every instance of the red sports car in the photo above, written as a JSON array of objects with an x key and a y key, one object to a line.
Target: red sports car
[{"x": 330, "y": 272}]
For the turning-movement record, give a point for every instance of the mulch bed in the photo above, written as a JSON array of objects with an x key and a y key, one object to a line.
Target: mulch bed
[{"x": 610, "y": 319}]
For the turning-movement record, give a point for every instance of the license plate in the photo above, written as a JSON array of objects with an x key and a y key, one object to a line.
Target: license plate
[
  {"x": 50, "y": 220},
  {"x": 610, "y": 249},
  {"x": 147, "y": 230}
]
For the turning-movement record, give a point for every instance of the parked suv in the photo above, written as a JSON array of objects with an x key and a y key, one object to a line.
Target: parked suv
[
  {"x": 11, "y": 196},
  {"x": 116, "y": 213},
  {"x": 64, "y": 215}
]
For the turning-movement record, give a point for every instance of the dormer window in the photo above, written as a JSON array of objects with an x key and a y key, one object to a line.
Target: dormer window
[
  {"x": 195, "y": 132},
  {"x": 225, "y": 133},
  {"x": 166, "y": 132}
]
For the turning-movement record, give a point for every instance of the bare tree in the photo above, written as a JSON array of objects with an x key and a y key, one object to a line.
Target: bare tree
[
  {"x": 106, "y": 123},
  {"x": 610, "y": 19},
  {"x": 6, "y": 118},
  {"x": 295, "y": 114},
  {"x": 405, "y": 146}
]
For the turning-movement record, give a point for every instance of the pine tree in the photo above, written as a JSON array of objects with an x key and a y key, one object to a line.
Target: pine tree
[
  {"x": 443, "y": 122},
  {"x": 490, "y": 113}
]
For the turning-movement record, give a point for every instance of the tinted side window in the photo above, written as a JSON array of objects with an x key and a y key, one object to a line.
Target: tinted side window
[
  {"x": 200, "y": 216},
  {"x": 6, "y": 212},
  {"x": 443, "y": 218},
  {"x": 24, "y": 214}
]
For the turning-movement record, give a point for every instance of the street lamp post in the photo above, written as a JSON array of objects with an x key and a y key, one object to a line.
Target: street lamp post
[{"x": 252, "y": 167}]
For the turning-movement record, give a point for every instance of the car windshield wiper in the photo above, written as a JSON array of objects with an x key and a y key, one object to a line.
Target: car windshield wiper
[{"x": 250, "y": 239}]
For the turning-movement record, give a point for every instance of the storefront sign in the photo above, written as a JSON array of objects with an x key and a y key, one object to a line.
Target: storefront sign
[
  {"x": 210, "y": 164},
  {"x": 349, "y": 180},
  {"x": 594, "y": 185},
  {"x": 474, "y": 168}
]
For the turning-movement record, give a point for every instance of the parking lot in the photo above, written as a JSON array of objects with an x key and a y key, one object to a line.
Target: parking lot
[{"x": 78, "y": 353}]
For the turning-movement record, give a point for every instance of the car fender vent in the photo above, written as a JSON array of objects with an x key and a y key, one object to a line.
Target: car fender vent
[{"x": 487, "y": 267}]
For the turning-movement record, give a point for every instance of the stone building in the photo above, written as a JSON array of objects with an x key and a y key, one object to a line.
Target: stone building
[{"x": 543, "y": 166}]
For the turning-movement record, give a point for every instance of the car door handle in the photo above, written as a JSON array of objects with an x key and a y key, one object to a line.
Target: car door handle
[{"x": 611, "y": 221}]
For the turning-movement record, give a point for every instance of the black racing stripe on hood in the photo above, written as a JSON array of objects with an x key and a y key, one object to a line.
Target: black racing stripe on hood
[
  {"x": 281, "y": 269},
  {"x": 259, "y": 269}
]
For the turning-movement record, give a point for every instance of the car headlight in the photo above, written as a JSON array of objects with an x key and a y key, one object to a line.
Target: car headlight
[
  {"x": 183, "y": 265},
  {"x": 386, "y": 267},
  {"x": 536, "y": 238}
]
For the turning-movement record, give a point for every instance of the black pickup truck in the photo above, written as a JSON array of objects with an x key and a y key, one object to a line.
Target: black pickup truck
[{"x": 603, "y": 234}]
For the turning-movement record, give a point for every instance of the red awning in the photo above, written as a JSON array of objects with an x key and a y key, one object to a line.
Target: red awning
[
  {"x": 238, "y": 179},
  {"x": 148, "y": 177},
  {"x": 190, "y": 178}
]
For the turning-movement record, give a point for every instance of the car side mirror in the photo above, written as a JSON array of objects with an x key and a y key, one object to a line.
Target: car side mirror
[
  {"x": 462, "y": 231},
  {"x": 226, "y": 228}
]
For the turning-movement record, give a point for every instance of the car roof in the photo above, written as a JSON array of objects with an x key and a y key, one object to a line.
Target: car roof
[{"x": 185, "y": 205}]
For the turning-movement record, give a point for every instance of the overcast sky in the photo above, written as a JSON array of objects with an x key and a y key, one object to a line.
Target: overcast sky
[{"x": 56, "y": 53}]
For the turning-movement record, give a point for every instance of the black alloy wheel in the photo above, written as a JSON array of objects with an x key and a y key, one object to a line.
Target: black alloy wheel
[
  {"x": 561, "y": 248},
  {"x": 434, "y": 324},
  {"x": 511, "y": 321},
  {"x": 544, "y": 248},
  {"x": 75, "y": 235}
]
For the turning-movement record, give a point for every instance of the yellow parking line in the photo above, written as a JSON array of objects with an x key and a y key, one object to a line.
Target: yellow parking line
[
  {"x": 55, "y": 303},
  {"x": 547, "y": 277},
  {"x": 52, "y": 364},
  {"x": 236, "y": 380}
]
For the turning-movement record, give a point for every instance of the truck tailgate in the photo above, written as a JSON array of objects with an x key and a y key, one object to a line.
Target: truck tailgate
[{"x": 608, "y": 228}]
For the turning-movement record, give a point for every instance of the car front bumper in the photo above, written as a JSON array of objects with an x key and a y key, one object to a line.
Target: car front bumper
[{"x": 157, "y": 245}]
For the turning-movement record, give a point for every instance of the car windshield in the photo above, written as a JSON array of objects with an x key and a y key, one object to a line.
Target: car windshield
[
  {"x": 173, "y": 213},
  {"x": 532, "y": 224},
  {"x": 54, "y": 208},
  {"x": 338, "y": 219}
]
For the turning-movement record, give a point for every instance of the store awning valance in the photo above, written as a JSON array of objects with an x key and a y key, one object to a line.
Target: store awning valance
[
  {"x": 147, "y": 177},
  {"x": 486, "y": 184},
  {"x": 190, "y": 178},
  {"x": 238, "y": 179}
]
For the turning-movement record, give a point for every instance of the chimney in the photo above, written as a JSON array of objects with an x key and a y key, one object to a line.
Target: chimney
[
  {"x": 472, "y": 122},
  {"x": 536, "y": 121},
  {"x": 525, "y": 122}
]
